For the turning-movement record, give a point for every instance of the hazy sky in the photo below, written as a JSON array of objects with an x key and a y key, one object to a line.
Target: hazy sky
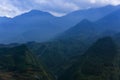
[{"x": 12, "y": 8}]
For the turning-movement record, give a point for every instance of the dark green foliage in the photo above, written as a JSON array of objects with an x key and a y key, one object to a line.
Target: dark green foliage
[
  {"x": 21, "y": 64},
  {"x": 98, "y": 63},
  {"x": 58, "y": 55}
]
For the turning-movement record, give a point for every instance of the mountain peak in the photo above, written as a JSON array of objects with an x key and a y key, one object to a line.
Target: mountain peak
[
  {"x": 38, "y": 12},
  {"x": 35, "y": 13},
  {"x": 85, "y": 22}
]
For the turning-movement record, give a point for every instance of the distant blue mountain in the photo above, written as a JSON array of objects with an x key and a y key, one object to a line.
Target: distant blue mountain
[
  {"x": 32, "y": 26},
  {"x": 4, "y": 19},
  {"x": 89, "y": 31},
  {"x": 111, "y": 21},
  {"x": 92, "y": 14},
  {"x": 85, "y": 32},
  {"x": 85, "y": 27},
  {"x": 41, "y": 26}
]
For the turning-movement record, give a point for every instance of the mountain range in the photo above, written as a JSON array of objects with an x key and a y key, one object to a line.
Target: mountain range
[
  {"x": 41, "y": 26},
  {"x": 82, "y": 45},
  {"x": 109, "y": 25}
]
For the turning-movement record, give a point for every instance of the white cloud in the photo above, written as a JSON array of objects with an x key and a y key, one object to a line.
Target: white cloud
[
  {"x": 112, "y": 2},
  {"x": 9, "y": 8},
  {"x": 12, "y": 8}
]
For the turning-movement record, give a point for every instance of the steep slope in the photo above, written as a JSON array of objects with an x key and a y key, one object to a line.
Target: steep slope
[
  {"x": 85, "y": 31},
  {"x": 100, "y": 62},
  {"x": 19, "y": 63}
]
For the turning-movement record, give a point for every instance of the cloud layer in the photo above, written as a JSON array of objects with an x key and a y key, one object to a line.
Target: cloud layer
[{"x": 11, "y": 8}]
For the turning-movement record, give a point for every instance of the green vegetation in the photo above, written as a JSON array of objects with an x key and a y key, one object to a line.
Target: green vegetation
[
  {"x": 58, "y": 55},
  {"x": 100, "y": 62},
  {"x": 61, "y": 60},
  {"x": 18, "y": 63}
]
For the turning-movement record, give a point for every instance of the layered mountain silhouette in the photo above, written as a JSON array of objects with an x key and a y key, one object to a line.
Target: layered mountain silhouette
[
  {"x": 111, "y": 21},
  {"x": 93, "y": 14},
  {"x": 41, "y": 26},
  {"x": 82, "y": 45},
  {"x": 87, "y": 30},
  {"x": 83, "y": 31}
]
